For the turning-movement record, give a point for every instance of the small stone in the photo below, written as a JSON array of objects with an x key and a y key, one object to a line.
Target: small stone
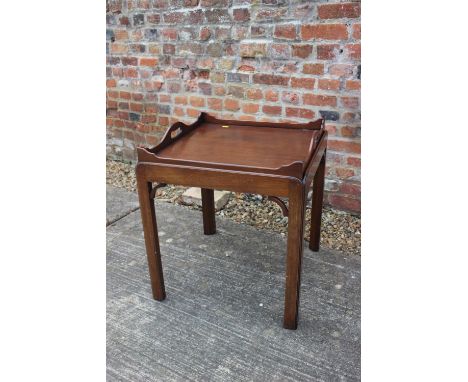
[
  {"x": 193, "y": 196},
  {"x": 260, "y": 304}
]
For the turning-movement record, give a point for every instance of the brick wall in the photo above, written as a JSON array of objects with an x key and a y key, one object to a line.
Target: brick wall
[{"x": 265, "y": 60}]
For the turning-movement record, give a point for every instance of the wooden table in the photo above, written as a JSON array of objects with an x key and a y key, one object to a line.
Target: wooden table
[{"x": 271, "y": 159}]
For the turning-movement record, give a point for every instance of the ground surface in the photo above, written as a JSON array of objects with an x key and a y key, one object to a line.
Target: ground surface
[
  {"x": 340, "y": 231},
  {"x": 222, "y": 317}
]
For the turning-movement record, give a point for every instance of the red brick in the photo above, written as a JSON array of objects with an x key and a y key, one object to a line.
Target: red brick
[
  {"x": 254, "y": 94},
  {"x": 121, "y": 34},
  {"x": 350, "y": 189},
  {"x": 215, "y": 103},
  {"x": 231, "y": 104},
  {"x": 174, "y": 17},
  {"x": 194, "y": 113},
  {"x": 154, "y": 18},
  {"x": 303, "y": 83},
  {"x": 302, "y": 50},
  {"x": 146, "y": 61},
  {"x": 125, "y": 95},
  {"x": 253, "y": 49},
  {"x": 250, "y": 108},
  {"x": 344, "y": 173},
  {"x": 270, "y": 79},
  {"x": 327, "y": 84},
  {"x": 246, "y": 68},
  {"x": 271, "y": 13},
  {"x": 205, "y": 33},
  {"x": 111, "y": 104},
  {"x": 219, "y": 90},
  {"x": 349, "y": 131},
  {"x": 148, "y": 118},
  {"x": 339, "y": 11},
  {"x": 312, "y": 69},
  {"x": 286, "y": 31},
  {"x": 345, "y": 203},
  {"x": 344, "y": 146},
  {"x": 328, "y": 52},
  {"x": 271, "y": 95},
  {"x": 117, "y": 72},
  {"x": 272, "y": 110},
  {"x": 136, "y": 107},
  {"x": 353, "y": 161},
  {"x": 299, "y": 113},
  {"x": 180, "y": 100},
  {"x": 354, "y": 51},
  {"x": 119, "y": 48},
  {"x": 151, "y": 108},
  {"x": 319, "y": 100},
  {"x": 154, "y": 48},
  {"x": 350, "y": 102},
  {"x": 341, "y": 70},
  {"x": 111, "y": 83},
  {"x": 197, "y": 101},
  {"x": 324, "y": 31},
  {"x": 357, "y": 31},
  {"x": 164, "y": 98},
  {"x": 130, "y": 61},
  {"x": 245, "y": 117},
  {"x": 169, "y": 34},
  {"x": 131, "y": 73},
  {"x": 163, "y": 121},
  {"x": 179, "y": 111},
  {"x": 113, "y": 94},
  {"x": 348, "y": 117},
  {"x": 241, "y": 14},
  {"x": 353, "y": 85},
  {"x": 124, "y": 105}
]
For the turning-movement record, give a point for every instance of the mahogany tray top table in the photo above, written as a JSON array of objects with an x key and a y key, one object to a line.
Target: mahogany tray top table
[{"x": 270, "y": 159}]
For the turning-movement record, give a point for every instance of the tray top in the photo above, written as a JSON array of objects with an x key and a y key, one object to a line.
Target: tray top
[{"x": 238, "y": 146}]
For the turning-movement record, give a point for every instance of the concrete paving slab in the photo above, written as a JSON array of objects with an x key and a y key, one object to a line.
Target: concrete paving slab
[
  {"x": 222, "y": 319},
  {"x": 119, "y": 203}
]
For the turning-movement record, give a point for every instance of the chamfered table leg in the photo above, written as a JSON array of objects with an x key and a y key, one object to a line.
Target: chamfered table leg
[
  {"x": 294, "y": 254},
  {"x": 150, "y": 229},
  {"x": 208, "y": 207},
  {"x": 317, "y": 204}
]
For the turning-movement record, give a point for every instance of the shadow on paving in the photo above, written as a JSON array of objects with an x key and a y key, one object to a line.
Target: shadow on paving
[{"x": 222, "y": 319}]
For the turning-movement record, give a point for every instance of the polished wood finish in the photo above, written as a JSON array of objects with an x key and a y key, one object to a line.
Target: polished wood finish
[
  {"x": 208, "y": 208},
  {"x": 150, "y": 229},
  {"x": 294, "y": 254},
  {"x": 280, "y": 203},
  {"x": 272, "y": 159},
  {"x": 317, "y": 202}
]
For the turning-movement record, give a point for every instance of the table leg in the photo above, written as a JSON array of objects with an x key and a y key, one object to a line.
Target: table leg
[
  {"x": 317, "y": 204},
  {"x": 148, "y": 217},
  {"x": 294, "y": 255},
  {"x": 208, "y": 207}
]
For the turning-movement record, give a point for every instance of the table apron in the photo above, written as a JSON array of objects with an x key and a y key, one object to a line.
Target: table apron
[{"x": 263, "y": 184}]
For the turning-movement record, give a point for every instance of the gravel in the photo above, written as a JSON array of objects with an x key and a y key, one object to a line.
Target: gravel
[{"x": 340, "y": 230}]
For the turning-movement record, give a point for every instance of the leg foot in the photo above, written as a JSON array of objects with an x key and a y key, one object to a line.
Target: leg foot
[
  {"x": 148, "y": 217},
  {"x": 208, "y": 207},
  {"x": 294, "y": 255},
  {"x": 317, "y": 203}
]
